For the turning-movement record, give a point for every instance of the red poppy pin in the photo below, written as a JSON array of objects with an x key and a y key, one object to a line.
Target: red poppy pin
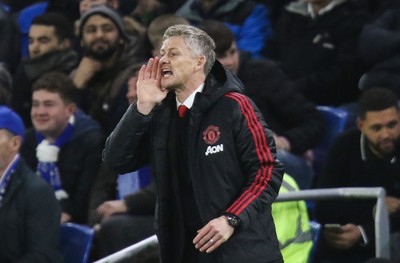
[{"x": 211, "y": 134}]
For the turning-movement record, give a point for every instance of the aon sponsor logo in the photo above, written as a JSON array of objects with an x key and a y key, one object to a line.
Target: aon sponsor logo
[{"x": 214, "y": 149}]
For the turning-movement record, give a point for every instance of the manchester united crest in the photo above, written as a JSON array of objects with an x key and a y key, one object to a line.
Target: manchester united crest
[{"x": 211, "y": 134}]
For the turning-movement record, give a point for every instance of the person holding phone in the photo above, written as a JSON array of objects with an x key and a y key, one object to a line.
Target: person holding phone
[{"x": 367, "y": 156}]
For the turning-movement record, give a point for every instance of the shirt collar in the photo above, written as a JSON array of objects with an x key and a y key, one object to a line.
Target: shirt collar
[
  {"x": 190, "y": 100},
  {"x": 365, "y": 151}
]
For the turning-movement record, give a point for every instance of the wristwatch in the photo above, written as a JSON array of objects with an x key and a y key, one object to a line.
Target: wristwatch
[{"x": 233, "y": 220}]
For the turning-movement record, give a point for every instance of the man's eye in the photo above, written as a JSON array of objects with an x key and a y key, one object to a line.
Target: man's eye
[
  {"x": 108, "y": 28},
  {"x": 90, "y": 30},
  {"x": 392, "y": 124}
]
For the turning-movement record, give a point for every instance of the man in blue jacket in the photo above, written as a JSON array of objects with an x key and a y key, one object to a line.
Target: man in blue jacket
[{"x": 212, "y": 155}]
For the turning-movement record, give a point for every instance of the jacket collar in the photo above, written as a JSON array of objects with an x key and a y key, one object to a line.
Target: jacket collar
[{"x": 365, "y": 151}]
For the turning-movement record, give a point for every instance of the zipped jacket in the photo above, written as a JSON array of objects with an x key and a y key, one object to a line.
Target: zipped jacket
[{"x": 232, "y": 166}]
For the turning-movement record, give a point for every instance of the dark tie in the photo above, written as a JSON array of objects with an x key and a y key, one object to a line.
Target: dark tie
[{"x": 182, "y": 109}]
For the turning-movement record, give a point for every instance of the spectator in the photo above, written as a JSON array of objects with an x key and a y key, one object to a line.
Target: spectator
[
  {"x": 64, "y": 146},
  {"x": 157, "y": 28},
  {"x": 125, "y": 222},
  {"x": 316, "y": 45},
  {"x": 363, "y": 157},
  {"x": 5, "y": 86},
  {"x": 9, "y": 42},
  {"x": 85, "y": 5},
  {"x": 121, "y": 223},
  {"x": 105, "y": 186},
  {"x": 248, "y": 20},
  {"x": 292, "y": 225},
  {"x": 214, "y": 160},
  {"x": 384, "y": 55},
  {"x": 135, "y": 30},
  {"x": 104, "y": 70},
  {"x": 50, "y": 37},
  {"x": 294, "y": 120},
  {"x": 131, "y": 95},
  {"x": 146, "y": 11},
  {"x": 29, "y": 212}
]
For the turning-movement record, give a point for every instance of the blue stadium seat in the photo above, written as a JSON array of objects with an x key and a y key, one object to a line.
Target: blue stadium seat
[
  {"x": 315, "y": 228},
  {"x": 24, "y": 21},
  {"x": 335, "y": 123},
  {"x": 75, "y": 242}
]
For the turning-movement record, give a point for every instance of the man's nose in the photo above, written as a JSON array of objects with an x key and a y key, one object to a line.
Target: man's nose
[
  {"x": 163, "y": 59},
  {"x": 34, "y": 46},
  {"x": 385, "y": 133},
  {"x": 99, "y": 33}
]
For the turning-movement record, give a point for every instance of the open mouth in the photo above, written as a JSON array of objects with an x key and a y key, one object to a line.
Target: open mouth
[{"x": 166, "y": 73}]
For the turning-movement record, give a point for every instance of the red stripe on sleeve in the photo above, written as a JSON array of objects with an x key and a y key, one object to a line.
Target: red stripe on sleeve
[{"x": 263, "y": 153}]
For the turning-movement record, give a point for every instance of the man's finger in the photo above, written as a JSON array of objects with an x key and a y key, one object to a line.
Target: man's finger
[
  {"x": 154, "y": 68},
  {"x": 215, "y": 245}
]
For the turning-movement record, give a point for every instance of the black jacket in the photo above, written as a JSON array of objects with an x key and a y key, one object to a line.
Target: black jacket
[
  {"x": 29, "y": 220},
  {"x": 78, "y": 161},
  {"x": 384, "y": 54},
  {"x": 320, "y": 55},
  {"x": 284, "y": 109},
  {"x": 241, "y": 175}
]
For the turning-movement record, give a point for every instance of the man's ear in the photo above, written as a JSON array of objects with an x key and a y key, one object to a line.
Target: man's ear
[
  {"x": 16, "y": 142},
  {"x": 200, "y": 62},
  {"x": 72, "y": 107},
  {"x": 359, "y": 123}
]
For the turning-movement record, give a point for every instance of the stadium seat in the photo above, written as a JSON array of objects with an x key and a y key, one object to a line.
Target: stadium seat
[
  {"x": 24, "y": 21},
  {"x": 75, "y": 242},
  {"x": 335, "y": 122}
]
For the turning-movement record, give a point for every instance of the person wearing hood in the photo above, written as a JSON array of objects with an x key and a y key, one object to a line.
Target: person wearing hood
[
  {"x": 109, "y": 51},
  {"x": 212, "y": 155},
  {"x": 64, "y": 146}
]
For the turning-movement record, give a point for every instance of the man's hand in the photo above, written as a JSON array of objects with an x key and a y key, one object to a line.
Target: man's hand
[
  {"x": 65, "y": 218},
  {"x": 85, "y": 71},
  {"x": 212, "y": 235},
  {"x": 112, "y": 207},
  {"x": 392, "y": 203},
  {"x": 281, "y": 142},
  {"x": 149, "y": 91},
  {"x": 342, "y": 238}
]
